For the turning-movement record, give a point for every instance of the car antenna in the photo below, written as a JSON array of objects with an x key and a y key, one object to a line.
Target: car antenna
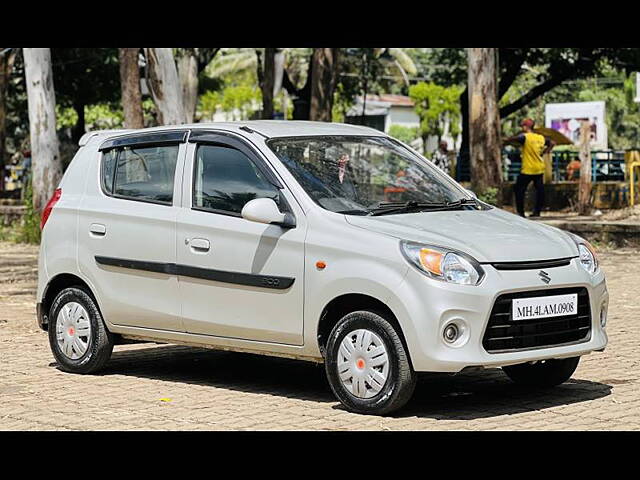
[{"x": 250, "y": 130}]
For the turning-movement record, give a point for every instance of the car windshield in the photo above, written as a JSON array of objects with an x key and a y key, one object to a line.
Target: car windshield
[{"x": 357, "y": 175}]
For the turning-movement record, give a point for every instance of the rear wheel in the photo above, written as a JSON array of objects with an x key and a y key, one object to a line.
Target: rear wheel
[
  {"x": 367, "y": 366},
  {"x": 78, "y": 337},
  {"x": 545, "y": 373}
]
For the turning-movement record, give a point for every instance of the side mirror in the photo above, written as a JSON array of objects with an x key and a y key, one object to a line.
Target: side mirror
[
  {"x": 471, "y": 193},
  {"x": 265, "y": 210}
]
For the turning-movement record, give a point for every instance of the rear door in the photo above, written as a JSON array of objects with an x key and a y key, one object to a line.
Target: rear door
[
  {"x": 238, "y": 278},
  {"x": 127, "y": 229}
]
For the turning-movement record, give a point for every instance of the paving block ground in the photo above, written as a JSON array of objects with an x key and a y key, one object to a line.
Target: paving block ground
[{"x": 165, "y": 387}]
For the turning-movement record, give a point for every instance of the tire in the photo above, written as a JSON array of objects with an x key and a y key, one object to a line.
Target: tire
[
  {"x": 67, "y": 322},
  {"x": 370, "y": 397},
  {"x": 547, "y": 373}
]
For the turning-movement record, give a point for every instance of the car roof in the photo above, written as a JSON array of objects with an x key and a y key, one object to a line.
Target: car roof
[{"x": 267, "y": 128}]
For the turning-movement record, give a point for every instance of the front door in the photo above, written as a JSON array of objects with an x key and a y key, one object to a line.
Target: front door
[{"x": 237, "y": 278}]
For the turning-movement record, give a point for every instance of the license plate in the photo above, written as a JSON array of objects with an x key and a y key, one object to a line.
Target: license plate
[{"x": 542, "y": 307}]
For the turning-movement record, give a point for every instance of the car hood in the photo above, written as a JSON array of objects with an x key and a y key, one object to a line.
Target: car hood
[{"x": 487, "y": 235}]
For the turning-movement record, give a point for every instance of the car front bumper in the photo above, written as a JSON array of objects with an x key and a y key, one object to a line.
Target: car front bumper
[{"x": 425, "y": 306}]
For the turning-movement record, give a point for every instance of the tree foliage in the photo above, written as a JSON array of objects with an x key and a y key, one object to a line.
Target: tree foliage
[
  {"x": 616, "y": 88},
  {"x": 372, "y": 71},
  {"x": 240, "y": 101},
  {"x": 17, "y": 121},
  {"x": 558, "y": 65},
  {"x": 100, "y": 116},
  {"x": 85, "y": 76},
  {"x": 622, "y": 112},
  {"x": 526, "y": 74},
  {"x": 436, "y": 106},
  {"x": 552, "y": 67}
]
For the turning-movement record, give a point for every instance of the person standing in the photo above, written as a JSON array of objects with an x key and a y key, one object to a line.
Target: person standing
[
  {"x": 534, "y": 147},
  {"x": 441, "y": 159}
]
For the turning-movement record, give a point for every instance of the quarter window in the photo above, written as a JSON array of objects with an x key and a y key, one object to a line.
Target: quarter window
[
  {"x": 226, "y": 179},
  {"x": 108, "y": 169},
  {"x": 141, "y": 173}
]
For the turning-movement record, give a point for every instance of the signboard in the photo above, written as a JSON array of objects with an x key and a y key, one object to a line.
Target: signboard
[{"x": 566, "y": 118}]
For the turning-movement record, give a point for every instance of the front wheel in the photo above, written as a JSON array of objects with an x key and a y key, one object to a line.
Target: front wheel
[
  {"x": 78, "y": 337},
  {"x": 545, "y": 373},
  {"x": 367, "y": 366}
]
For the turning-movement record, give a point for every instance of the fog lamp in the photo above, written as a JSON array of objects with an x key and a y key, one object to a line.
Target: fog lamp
[
  {"x": 451, "y": 333},
  {"x": 603, "y": 316}
]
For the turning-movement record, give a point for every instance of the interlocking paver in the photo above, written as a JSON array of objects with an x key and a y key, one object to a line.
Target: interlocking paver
[{"x": 211, "y": 390}]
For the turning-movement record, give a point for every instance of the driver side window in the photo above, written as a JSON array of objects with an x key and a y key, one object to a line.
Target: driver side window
[{"x": 225, "y": 179}]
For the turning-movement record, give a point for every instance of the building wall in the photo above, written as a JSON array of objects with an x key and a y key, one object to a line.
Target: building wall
[{"x": 405, "y": 116}]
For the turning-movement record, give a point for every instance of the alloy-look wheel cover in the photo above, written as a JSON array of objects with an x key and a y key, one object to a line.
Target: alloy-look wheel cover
[
  {"x": 73, "y": 330},
  {"x": 363, "y": 363}
]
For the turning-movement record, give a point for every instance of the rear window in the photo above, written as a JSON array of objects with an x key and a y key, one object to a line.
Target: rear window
[{"x": 145, "y": 174}]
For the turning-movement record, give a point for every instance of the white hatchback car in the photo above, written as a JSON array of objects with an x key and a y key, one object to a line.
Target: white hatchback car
[{"x": 324, "y": 242}]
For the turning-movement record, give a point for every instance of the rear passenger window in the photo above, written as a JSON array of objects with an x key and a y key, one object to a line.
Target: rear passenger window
[
  {"x": 141, "y": 173},
  {"x": 226, "y": 179}
]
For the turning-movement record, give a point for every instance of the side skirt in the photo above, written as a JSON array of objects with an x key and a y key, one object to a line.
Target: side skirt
[{"x": 216, "y": 343}]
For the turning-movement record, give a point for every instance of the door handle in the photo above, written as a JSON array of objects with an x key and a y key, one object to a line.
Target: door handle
[
  {"x": 98, "y": 229},
  {"x": 200, "y": 244}
]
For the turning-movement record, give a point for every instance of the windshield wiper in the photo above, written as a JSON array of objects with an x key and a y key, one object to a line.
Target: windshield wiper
[
  {"x": 463, "y": 202},
  {"x": 357, "y": 211},
  {"x": 385, "y": 208}
]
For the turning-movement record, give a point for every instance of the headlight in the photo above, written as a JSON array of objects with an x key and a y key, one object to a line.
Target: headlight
[
  {"x": 588, "y": 257},
  {"x": 443, "y": 264}
]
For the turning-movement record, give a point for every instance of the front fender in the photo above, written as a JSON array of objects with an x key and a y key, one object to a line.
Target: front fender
[{"x": 373, "y": 274}]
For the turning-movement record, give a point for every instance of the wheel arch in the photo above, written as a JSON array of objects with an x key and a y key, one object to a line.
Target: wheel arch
[
  {"x": 352, "y": 302},
  {"x": 53, "y": 288}
]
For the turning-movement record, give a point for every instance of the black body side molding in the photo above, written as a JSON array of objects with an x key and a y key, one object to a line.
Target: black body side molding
[{"x": 237, "y": 278}]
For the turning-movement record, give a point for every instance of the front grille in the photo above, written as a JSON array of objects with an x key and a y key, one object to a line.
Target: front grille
[
  {"x": 535, "y": 265},
  {"x": 503, "y": 334}
]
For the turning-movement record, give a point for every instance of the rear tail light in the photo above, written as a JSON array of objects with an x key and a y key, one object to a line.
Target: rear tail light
[{"x": 49, "y": 206}]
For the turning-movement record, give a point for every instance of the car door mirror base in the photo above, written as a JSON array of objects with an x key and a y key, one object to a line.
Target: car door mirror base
[
  {"x": 288, "y": 222},
  {"x": 265, "y": 210}
]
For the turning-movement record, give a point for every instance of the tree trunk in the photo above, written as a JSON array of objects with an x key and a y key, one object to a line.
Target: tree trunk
[
  {"x": 79, "y": 128},
  {"x": 323, "y": 82},
  {"x": 464, "y": 118},
  {"x": 584, "y": 187},
  {"x": 6, "y": 65},
  {"x": 484, "y": 122},
  {"x": 45, "y": 149},
  {"x": 267, "y": 81},
  {"x": 164, "y": 86},
  {"x": 188, "y": 74},
  {"x": 302, "y": 95},
  {"x": 463, "y": 152},
  {"x": 130, "y": 86}
]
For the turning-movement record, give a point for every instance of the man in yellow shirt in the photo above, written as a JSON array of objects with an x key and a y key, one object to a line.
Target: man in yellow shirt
[{"x": 534, "y": 146}]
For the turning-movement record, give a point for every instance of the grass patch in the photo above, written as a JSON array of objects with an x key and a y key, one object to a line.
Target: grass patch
[{"x": 27, "y": 229}]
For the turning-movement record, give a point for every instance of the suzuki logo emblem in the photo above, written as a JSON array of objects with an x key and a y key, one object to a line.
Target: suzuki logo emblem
[{"x": 544, "y": 276}]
